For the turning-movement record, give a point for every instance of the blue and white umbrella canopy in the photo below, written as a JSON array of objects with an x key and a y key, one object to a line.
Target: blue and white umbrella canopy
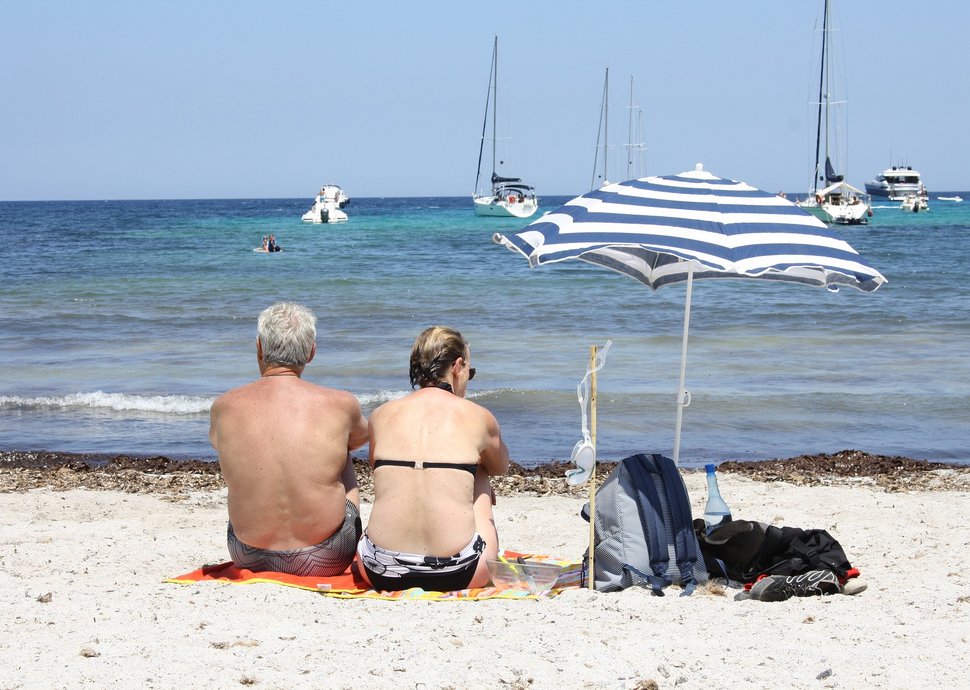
[
  {"x": 663, "y": 230},
  {"x": 658, "y": 229}
]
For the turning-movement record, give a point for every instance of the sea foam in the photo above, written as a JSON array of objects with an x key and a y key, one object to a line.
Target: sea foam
[{"x": 161, "y": 404}]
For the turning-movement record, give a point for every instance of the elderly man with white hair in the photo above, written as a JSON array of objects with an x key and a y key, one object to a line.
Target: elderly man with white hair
[{"x": 284, "y": 448}]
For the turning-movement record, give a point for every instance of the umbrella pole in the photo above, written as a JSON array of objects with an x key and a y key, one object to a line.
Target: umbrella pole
[
  {"x": 591, "y": 578},
  {"x": 683, "y": 397}
]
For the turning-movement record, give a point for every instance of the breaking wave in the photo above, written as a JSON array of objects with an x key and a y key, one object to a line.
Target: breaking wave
[{"x": 121, "y": 402}]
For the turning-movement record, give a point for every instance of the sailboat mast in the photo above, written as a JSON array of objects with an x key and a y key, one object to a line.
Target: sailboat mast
[
  {"x": 828, "y": 88},
  {"x": 606, "y": 125},
  {"x": 604, "y": 113},
  {"x": 481, "y": 144},
  {"x": 629, "y": 136},
  {"x": 821, "y": 90},
  {"x": 494, "y": 101}
]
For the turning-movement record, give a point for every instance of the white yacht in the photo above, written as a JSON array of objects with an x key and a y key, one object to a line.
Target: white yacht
[
  {"x": 328, "y": 206},
  {"x": 896, "y": 183}
]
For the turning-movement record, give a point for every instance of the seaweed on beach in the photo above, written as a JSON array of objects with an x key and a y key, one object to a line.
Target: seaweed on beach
[
  {"x": 25, "y": 470},
  {"x": 892, "y": 473}
]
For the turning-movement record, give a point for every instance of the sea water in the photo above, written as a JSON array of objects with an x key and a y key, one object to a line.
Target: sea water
[{"x": 121, "y": 321}]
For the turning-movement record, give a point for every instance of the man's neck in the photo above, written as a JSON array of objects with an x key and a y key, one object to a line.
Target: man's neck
[{"x": 276, "y": 370}]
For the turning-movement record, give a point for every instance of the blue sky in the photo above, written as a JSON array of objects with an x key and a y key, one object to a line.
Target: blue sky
[{"x": 211, "y": 99}]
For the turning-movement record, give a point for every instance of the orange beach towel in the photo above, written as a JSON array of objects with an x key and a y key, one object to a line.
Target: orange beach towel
[{"x": 350, "y": 585}]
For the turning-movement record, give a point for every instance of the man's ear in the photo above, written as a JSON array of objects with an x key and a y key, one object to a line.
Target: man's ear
[
  {"x": 259, "y": 350},
  {"x": 313, "y": 352}
]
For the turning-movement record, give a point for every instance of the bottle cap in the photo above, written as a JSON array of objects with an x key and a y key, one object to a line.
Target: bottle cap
[{"x": 710, "y": 467}]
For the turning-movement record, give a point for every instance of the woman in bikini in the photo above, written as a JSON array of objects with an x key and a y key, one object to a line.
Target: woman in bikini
[{"x": 432, "y": 451}]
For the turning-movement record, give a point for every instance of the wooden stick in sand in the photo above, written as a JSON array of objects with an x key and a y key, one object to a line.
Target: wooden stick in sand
[{"x": 591, "y": 579}]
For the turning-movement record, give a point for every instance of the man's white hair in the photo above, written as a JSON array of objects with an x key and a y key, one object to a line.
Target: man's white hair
[{"x": 287, "y": 333}]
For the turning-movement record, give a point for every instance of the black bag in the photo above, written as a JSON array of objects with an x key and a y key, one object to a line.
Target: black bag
[{"x": 743, "y": 549}]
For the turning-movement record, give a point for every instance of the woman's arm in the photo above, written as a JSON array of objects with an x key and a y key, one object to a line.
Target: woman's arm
[{"x": 494, "y": 457}]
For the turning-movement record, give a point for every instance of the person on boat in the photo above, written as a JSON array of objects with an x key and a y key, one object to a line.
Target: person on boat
[
  {"x": 284, "y": 448},
  {"x": 272, "y": 246},
  {"x": 265, "y": 246},
  {"x": 432, "y": 451}
]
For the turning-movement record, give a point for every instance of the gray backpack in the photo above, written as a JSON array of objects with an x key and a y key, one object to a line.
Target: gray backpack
[{"x": 644, "y": 533}]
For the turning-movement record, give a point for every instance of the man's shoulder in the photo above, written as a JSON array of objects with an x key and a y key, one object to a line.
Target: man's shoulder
[
  {"x": 331, "y": 395},
  {"x": 234, "y": 394}
]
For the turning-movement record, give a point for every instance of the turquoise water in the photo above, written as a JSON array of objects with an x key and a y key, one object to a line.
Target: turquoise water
[{"x": 121, "y": 321}]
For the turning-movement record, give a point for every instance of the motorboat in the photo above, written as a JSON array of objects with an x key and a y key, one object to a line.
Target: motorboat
[
  {"x": 830, "y": 198},
  {"x": 328, "y": 206},
  {"x": 507, "y": 196},
  {"x": 896, "y": 183},
  {"x": 915, "y": 203},
  {"x": 956, "y": 199}
]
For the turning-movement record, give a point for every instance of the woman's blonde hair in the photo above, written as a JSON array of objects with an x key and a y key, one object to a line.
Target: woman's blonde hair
[{"x": 434, "y": 351}]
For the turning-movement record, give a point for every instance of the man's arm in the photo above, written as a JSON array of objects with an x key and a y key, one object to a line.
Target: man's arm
[
  {"x": 213, "y": 423},
  {"x": 359, "y": 430}
]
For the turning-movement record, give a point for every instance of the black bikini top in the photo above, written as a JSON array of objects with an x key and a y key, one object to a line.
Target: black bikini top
[
  {"x": 472, "y": 468},
  {"x": 419, "y": 465}
]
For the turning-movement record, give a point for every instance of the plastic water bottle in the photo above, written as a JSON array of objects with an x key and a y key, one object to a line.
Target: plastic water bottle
[{"x": 716, "y": 512}]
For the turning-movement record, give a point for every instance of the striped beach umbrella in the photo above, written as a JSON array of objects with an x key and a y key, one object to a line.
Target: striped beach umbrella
[{"x": 671, "y": 229}]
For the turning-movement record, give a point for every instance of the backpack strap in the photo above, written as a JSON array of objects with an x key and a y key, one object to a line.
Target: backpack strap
[
  {"x": 683, "y": 528},
  {"x": 650, "y": 513}
]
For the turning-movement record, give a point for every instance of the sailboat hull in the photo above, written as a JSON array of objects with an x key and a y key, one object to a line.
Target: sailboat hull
[
  {"x": 848, "y": 214},
  {"x": 490, "y": 206},
  {"x": 838, "y": 210}
]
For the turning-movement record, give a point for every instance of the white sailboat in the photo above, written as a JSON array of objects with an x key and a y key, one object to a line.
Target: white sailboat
[
  {"x": 507, "y": 196},
  {"x": 830, "y": 198}
]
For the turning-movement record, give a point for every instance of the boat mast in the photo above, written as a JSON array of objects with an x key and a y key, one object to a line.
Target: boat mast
[
  {"x": 828, "y": 84},
  {"x": 494, "y": 103},
  {"x": 634, "y": 134},
  {"x": 488, "y": 96},
  {"x": 822, "y": 83},
  {"x": 604, "y": 120},
  {"x": 606, "y": 124}
]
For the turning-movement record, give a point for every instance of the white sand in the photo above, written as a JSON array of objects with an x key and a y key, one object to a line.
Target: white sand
[{"x": 83, "y": 604}]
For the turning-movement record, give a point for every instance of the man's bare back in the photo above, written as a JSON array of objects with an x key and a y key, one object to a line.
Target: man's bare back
[{"x": 283, "y": 446}]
